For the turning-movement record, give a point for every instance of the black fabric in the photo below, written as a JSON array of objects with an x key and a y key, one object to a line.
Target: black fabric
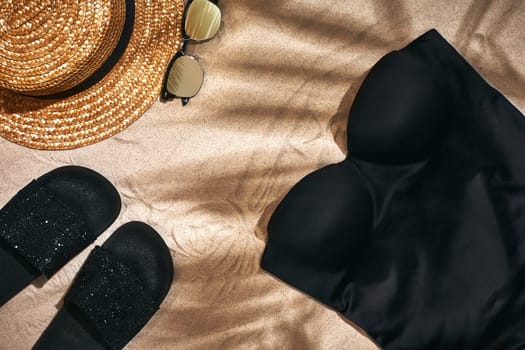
[
  {"x": 43, "y": 230},
  {"x": 111, "y": 298},
  {"x": 419, "y": 235}
]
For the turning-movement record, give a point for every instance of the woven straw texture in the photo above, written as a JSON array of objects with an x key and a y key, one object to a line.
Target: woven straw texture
[
  {"x": 69, "y": 50},
  {"x": 51, "y": 46}
]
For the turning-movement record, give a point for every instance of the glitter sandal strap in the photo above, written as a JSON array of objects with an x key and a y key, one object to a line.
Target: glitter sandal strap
[
  {"x": 110, "y": 297},
  {"x": 43, "y": 230},
  {"x": 116, "y": 292}
]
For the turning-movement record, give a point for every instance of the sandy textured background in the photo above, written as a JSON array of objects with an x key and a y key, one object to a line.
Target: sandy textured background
[{"x": 281, "y": 76}]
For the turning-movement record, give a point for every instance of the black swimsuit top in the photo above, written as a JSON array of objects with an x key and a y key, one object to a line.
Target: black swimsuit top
[{"x": 418, "y": 237}]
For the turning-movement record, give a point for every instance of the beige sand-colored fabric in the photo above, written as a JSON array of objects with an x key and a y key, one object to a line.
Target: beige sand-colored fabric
[{"x": 280, "y": 77}]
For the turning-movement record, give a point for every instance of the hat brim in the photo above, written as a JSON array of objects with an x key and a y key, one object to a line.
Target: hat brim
[{"x": 112, "y": 104}]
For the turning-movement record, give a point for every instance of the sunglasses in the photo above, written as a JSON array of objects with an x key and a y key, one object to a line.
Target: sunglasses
[{"x": 184, "y": 75}]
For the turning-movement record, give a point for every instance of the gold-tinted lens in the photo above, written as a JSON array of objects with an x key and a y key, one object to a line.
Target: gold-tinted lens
[
  {"x": 185, "y": 77},
  {"x": 202, "y": 20}
]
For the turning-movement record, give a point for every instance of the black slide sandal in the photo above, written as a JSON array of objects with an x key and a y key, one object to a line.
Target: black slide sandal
[
  {"x": 51, "y": 220},
  {"x": 118, "y": 289}
]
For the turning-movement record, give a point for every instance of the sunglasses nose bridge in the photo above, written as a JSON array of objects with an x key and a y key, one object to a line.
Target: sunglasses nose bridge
[{"x": 185, "y": 39}]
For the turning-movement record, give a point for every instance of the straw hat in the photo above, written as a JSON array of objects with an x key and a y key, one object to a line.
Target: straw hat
[{"x": 74, "y": 72}]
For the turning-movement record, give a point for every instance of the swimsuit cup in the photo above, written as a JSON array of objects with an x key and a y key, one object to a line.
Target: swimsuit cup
[{"x": 418, "y": 236}]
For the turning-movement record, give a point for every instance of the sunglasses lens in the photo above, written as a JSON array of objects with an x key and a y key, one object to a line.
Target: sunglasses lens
[
  {"x": 185, "y": 77},
  {"x": 203, "y": 20}
]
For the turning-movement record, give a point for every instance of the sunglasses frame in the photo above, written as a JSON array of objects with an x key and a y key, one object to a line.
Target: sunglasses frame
[{"x": 165, "y": 95}]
